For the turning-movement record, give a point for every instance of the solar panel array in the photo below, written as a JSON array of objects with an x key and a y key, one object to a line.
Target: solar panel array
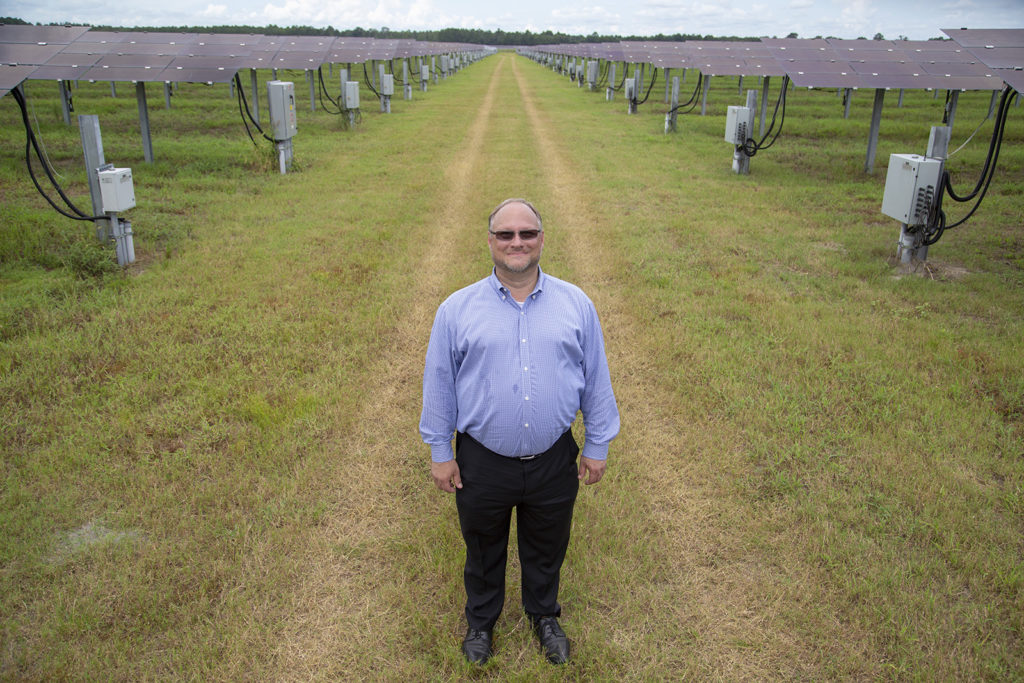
[
  {"x": 973, "y": 60},
  {"x": 77, "y": 53},
  {"x": 999, "y": 49}
]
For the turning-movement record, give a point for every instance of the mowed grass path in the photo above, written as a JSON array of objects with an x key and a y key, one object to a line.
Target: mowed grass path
[{"x": 214, "y": 472}]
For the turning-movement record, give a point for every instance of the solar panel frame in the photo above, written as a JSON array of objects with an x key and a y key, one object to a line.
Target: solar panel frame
[
  {"x": 61, "y": 72},
  {"x": 1013, "y": 77},
  {"x": 999, "y": 57},
  {"x": 13, "y": 76},
  {"x": 982, "y": 37},
  {"x": 21, "y": 54},
  {"x": 130, "y": 74},
  {"x": 61, "y": 35}
]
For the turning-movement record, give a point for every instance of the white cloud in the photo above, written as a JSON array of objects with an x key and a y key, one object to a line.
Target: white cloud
[{"x": 215, "y": 11}]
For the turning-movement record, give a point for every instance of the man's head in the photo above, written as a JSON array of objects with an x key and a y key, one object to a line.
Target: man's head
[{"x": 515, "y": 236}]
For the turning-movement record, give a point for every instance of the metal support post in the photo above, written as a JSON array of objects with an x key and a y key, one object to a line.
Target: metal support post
[
  {"x": 911, "y": 245},
  {"x": 764, "y": 103},
  {"x": 167, "y": 95},
  {"x": 65, "y": 102},
  {"x": 113, "y": 89},
  {"x": 147, "y": 141},
  {"x": 704, "y": 97},
  {"x": 740, "y": 161},
  {"x": 609, "y": 93},
  {"x": 847, "y": 98},
  {"x": 876, "y": 123},
  {"x": 92, "y": 148},
  {"x": 254, "y": 104},
  {"x": 124, "y": 246},
  {"x": 284, "y": 154},
  {"x": 671, "y": 116},
  {"x": 311, "y": 77}
]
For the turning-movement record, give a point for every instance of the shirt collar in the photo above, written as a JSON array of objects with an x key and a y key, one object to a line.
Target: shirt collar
[{"x": 501, "y": 290}]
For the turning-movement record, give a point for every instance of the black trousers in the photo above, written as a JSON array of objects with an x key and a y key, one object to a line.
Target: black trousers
[{"x": 542, "y": 491}]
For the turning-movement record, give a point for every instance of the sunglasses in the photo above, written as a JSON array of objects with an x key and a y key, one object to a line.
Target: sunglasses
[{"x": 508, "y": 235}]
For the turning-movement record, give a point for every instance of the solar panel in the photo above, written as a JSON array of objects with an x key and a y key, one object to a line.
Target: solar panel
[
  {"x": 984, "y": 37},
  {"x": 12, "y": 76},
  {"x": 147, "y": 61},
  {"x": 91, "y": 47},
  {"x": 297, "y": 60},
  {"x": 124, "y": 73},
  {"x": 27, "y": 53},
  {"x": 17, "y": 33},
  {"x": 61, "y": 72}
]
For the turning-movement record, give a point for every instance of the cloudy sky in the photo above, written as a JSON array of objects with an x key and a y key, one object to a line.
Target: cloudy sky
[{"x": 915, "y": 19}]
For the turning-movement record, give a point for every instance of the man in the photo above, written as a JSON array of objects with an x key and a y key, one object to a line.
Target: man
[{"x": 511, "y": 360}]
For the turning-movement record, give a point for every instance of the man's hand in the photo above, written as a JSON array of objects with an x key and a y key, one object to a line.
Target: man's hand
[
  {"x": 446, "y": 475},
  {"x": 592, "y": 469}
]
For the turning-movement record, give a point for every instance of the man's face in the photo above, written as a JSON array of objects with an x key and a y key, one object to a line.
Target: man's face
[{"x": 516, "y": 255}]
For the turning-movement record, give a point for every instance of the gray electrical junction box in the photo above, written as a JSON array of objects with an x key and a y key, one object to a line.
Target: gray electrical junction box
[
  {"x": 739, "y": 124},
  {"x": 281, "y": 101},
  {"x": 116, "y": 189},
  {"x": 911, "y": 185},
  {"x": 351, "y": 94}
]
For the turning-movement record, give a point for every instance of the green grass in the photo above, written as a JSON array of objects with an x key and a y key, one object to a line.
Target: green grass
[{"x": 210, "y": 460}]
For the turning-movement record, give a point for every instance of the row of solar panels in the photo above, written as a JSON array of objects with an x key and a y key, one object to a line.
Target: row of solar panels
[
  {"x": 76, "y": 53},
  {"x": 975, "y": 59}
]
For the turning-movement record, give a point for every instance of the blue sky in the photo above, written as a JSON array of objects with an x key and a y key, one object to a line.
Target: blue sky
[{"x": 915, "y": 19}]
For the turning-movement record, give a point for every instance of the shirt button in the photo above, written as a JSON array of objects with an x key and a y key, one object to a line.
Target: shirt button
[
  {"x": 525, "y": 368},
  {"x": 526, "y": 398},
  {"x": 527, "y": 425},
  {"x": 523, "y": 340}
]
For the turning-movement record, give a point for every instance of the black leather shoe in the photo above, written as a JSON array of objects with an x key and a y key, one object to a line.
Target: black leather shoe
[
  {"x": 552, "y": 639},
  {"x": 477, "y": 645}
]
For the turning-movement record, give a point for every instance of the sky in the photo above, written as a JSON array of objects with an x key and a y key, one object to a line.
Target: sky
[{"x": 914, "y": 19}]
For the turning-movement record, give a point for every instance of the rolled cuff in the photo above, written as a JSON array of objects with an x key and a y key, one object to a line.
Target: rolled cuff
[
  {"x": 441, "y": 452},
  {"x": 595, "y": 451}
]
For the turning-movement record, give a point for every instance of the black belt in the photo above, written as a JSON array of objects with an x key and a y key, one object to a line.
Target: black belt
[{"x": 521, "y": 458}]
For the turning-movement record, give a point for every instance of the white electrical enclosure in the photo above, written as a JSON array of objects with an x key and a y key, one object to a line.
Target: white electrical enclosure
[
  {"x": 424, "y": 73},
  {"x": 630, "y": 88},
  {"x": 911, "y": 186},
  {"x": 351, "y": 94},
  {"x": 738, "y": 124},
  {"x": 387, "y": 84},
  {"x": 116, "y": 189},
  {"x": 281, "y": 101}
]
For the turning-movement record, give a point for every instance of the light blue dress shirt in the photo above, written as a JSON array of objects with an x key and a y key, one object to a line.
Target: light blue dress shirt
[{"x": 513, "y": 377}]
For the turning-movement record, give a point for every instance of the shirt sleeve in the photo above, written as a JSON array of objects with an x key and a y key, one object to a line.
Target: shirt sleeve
[
  {"x": 439, "y": 415},
  {"x": 600, "y": 411}
]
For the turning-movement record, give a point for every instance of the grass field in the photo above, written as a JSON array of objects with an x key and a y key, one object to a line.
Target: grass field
[{"x": 211, "y": 465}]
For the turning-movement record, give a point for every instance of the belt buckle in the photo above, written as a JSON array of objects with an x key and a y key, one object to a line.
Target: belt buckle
[{"x": 527, "y": 457}]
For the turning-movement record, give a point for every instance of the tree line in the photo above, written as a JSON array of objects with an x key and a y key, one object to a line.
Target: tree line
[{"x": 497, "y": 38}]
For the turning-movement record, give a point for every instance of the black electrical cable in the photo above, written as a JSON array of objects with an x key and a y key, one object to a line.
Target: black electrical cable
[
  {"x": 243, "y": 106},
  {"x": 936, "y": 224},
  {"x": 692, "y": 102},
  {"x": 323, "y": 91},
  {"x": 649, "y": 89},
  {"x": 750, "y": 147},
  {"x": 366, "y": 79},
  {"x": 30, "y": 144}
]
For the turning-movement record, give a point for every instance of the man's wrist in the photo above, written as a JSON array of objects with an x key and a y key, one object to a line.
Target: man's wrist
[
  {"x": 595, "y": 451},
  {"x": 441, "y": 452}
]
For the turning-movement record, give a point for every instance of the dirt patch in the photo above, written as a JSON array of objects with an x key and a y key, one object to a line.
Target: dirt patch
[{"x": 934, "y": 270}]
